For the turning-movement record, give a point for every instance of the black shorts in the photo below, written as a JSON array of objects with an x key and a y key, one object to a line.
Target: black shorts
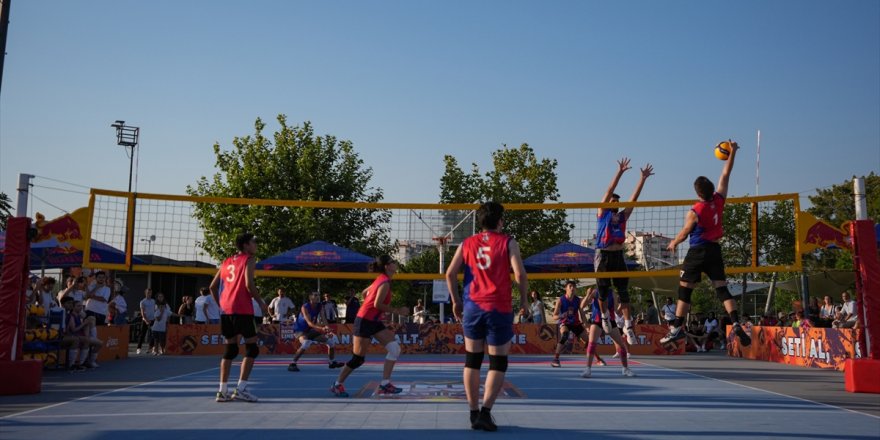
[
  {"x": 703, "y": 259},
  {"x": 310, "y": 334},
  {"x": 578, "y": 329},
  {"x": 612, "y": 261},
  {"x": 366, "y": 328},
  {"x": 232, "y": 325}
]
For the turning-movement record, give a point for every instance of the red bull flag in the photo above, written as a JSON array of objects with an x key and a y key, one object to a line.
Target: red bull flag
[
  {"x": 69, "y": 228},
  {"x": 815, "y": 234}
]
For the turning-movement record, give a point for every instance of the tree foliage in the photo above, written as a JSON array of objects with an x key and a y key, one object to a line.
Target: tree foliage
[
  {"x": 5, "y": 210},
  {"x": 294, "y": 164}
]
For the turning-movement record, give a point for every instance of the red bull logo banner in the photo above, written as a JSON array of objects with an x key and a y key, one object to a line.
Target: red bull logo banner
[
  {"x": 205, "y": 339},
  {"x": 815, "y": 234},
  {"x": 69, "y": 228},
  {"x": 806, "y": 347}
]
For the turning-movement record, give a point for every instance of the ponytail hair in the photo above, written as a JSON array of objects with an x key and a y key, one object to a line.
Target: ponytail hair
[{"x": 378, "y": 265}]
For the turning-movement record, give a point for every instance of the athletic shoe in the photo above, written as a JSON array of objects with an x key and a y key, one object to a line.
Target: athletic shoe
[
  {"x": 292, "y": 367},
  {"x": 138, "y": 351},
  {"x": 630, "y": 335},
  {"x": 223, "y": 397},
  {"x": 627, "y": 372},
  {"x": 338, "y": 390},
  {"x": 92, "y": 365},
  {"x": 744, "y": 339},
  {"x": 587, "y": 372},
  {"x": 335, "y": 364},
  {"x": 616, "y": 355},
  {"x": 474, "y": 415},
  {"x": 675, "y": 333},
  {"x": 606, "y": 325},
  {"x": 77, "y": 368},
  {"x": 388, "y": 388},
  {"x": 602, "y": 362},
  {"x": 244, "y": 394},
  {"x": 555, "y": 363},
  {"x": 485, "y": 421}
]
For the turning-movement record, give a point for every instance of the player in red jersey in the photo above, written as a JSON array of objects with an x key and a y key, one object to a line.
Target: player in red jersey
[
  {"x": 485, "y": 307},
  {"x": 368, "y": 325},
  {"x": 235, "y": 286},
  {"x": 704, "y": 224},
  {"x": 610, "y": 239}
]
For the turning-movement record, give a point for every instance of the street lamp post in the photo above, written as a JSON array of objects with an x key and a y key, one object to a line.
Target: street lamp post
[
  {"x": 150, "y": 241},
  {"x": 127, "y": 136}
]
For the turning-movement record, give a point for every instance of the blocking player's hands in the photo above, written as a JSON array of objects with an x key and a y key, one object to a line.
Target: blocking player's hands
[
  {"x": 623, "y": 165},
  {"x": 647, "y": 171}
]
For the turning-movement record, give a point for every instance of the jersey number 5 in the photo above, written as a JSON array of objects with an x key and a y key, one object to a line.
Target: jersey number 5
[{"x": 483, "y": 259}]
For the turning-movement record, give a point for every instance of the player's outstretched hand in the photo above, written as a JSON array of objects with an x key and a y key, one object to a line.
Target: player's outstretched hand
[
  {"x": 647, "y": 171},
  {"x": 623, "y": 164}
]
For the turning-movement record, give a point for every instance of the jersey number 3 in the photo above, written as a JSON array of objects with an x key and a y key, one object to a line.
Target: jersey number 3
[
  {"x": 231, "y": 273},
  {"x": 483, "y": 259}
]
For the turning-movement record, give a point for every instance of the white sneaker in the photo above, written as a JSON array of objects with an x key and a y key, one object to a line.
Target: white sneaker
[
  {"x": 587, "y": 372},
  {"x": 138, "y": 351},
  {"x": 616, "y": 355},
  {"x": 630, "y": 335},
  {"x": 239, "y": 394},
  {"x": 606, "y": 325},
  {"x": 627, "y": 372}
]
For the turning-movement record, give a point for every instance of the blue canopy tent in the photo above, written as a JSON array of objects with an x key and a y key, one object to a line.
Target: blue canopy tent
[
  {"x": 565, "y": 257},
  {"x": 52, "y": 254},
  {"x": 317, "y": 256}
]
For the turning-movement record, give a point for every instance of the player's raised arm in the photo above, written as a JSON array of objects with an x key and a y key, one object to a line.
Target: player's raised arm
[
  {"x": 622, "y": 166},
  {"x": 647, "y": 171},
  {"x": 725, "y": 171}
]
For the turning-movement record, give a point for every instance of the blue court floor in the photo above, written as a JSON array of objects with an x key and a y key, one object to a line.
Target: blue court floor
[{"x": 539, "y": 403}]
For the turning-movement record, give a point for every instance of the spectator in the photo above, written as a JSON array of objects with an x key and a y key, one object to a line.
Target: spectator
[
  {"x": 847, "y": 312},
  {"x": 258, "y": 312},
  {"x": 160, "y": 326},
  {"x": 97, "y": 297},
  {"x": 710, "y": 327},
  {"x": 419, "y": 313},
  {"x": 798, "y": 319},
  {"x": 826, "y": 312},
  {"x": 187, "y": 310},
  {"x": 46, "y": 299},
  {"x": 780, "y": 320},
  {"x": 205, "y": 307},
  {"x": 75, "y": 334},
  {"x": 148, "y": 314},
  {"x": 523, "y": 316},
  {"x": 352, "y": 305},
  {"x": 696, "y": 335},
  {"x": 725, "y": 321},
  {"x": 812, "y": 312},
  {"x": 212, "y": 312},
  {"x": 117, "y": 309},
  {"x": 769, "y": 320},
  {"x": 536, "y": 308},
  {"x": 281, "y": 307},
  {"x": 74, "y": 290},
  {"x": 653, "y": 316},
  {"x": 331, "y": 312},
  {"x": 669, "y": 311}
]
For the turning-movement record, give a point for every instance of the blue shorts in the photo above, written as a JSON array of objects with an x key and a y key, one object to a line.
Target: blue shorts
[{"x": 495, "y": 327}]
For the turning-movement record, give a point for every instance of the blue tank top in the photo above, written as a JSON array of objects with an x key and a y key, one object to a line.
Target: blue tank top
[
  {"x": 301, "y": 324},
  {"x": 597, "y": 312},
  {"x": 612, "y": 229},
  {"x": 568, "y": 310}
]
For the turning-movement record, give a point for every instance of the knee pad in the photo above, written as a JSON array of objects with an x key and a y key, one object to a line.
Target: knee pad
[
  {"x": 306, "y": 344},
  {"x": 603, "y": 293},
  {"x": 723, "y": 293},
  {"x": 473, "y": 360},
  {"x": 498, "y": 363},
  {"x": 231, "y": 351},
  {"x": 355, "y": 362},
  {"x": 591, "y": 348},
  {"x": 684, "y": 294},
  {"x": 251, "y": 350},
  {"x": 393, "y": 348},
  {"x": 564, "y": 337}
]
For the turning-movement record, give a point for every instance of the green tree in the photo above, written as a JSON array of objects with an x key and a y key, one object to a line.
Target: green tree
[
  {"x": 5, "y": 210},
  {"x": 295, "y": 164}
]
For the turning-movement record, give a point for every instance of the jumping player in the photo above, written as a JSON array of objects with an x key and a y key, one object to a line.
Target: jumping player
[
  {"x": 486, "y": 313},
  {"x": 596, "y": 331},
  {"x": 569, "y": 315},
  {"x": 234, "y": 284},
  {"x": 309, "y": 329},
  {"x": 609, "y": 248},
  {"x": 704, "y": 224},
  {"x": 368, "y": 325}
]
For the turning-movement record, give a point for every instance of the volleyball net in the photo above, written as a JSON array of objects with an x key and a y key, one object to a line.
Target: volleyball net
[{"x": 175, "y": 233}]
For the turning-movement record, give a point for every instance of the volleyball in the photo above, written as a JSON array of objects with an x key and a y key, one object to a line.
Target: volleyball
[{"x": 722, "y": 150}]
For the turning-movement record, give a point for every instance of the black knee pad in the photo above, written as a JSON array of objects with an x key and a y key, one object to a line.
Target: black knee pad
[
  {"x": 251, "y": 350},
  {"x": 603, "y": 293},
  {"x": 473, "y": 360},
  {"x": 684, "y": 294},
  {"x": 723, "y": 293},
  {"x": 231, "y": 351},
  {"x": 564, "y": 337},
  {"x": 355, "y": 362},
  {"x": 498, "y": 363}
]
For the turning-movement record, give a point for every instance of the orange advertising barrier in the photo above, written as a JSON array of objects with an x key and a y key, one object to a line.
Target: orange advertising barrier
[
  {"x": 810, "y": 347},
  {"x": 205, "y": 339},
  {"x": 115, "y": 339}
]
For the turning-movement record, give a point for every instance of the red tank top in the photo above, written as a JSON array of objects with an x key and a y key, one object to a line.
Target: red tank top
[
  {"x": 368, "y": 310},
  {"x": 487, "y": 271},
  {"x": 235, "y": 299},
  {"x": 710, "y": 221}
]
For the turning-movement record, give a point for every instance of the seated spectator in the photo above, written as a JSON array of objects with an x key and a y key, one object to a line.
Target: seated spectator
[
  {"x": 826, "y": 312},
  {"x": 523, "y": 316},
  {"x": 812, "y": 312},
  {"x": 696, "y": 335},
  {"x": 668, "y": 310},
  {"x": 847, "y": 317},
  {"x": 83, "y": 328},
  {"x": 46, "y": 299},
  {"x": 117, "y": 308},
  {"x": 780, "y": 320},
  {"x": 710, "y": 326},
  {"x": 769, "y": 320},
  {"x": 651, "y": 314}
]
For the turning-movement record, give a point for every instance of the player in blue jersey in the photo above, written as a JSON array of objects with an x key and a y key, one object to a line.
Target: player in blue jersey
[
  {"x": 310, "y": 328},
  {"x": 596, "y": 330},
  {"x": 569, "y": 316}
]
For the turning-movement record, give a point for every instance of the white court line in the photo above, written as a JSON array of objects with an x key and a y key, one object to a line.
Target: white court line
[
  {"x": 104, "y": 393},
  {"x": 767, "y": 391}
]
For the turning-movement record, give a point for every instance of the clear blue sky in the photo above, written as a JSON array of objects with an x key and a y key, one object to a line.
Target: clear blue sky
[{"x": 584, "y": 82}]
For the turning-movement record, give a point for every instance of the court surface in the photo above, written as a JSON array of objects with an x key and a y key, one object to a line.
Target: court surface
[{"x": 696, "y": 396}]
